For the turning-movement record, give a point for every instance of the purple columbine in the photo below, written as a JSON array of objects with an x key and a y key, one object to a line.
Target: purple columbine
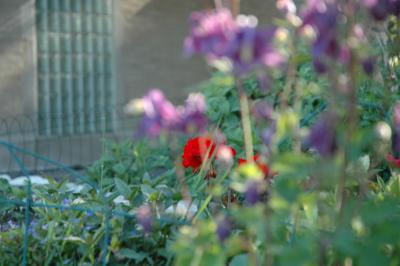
[
  {"x": 381, "y": 9},
  {"x": 218, "y": 36},
  {"x": 396, "y": 125},
  {"x": 252, "y": 48},
  {"x": 264, "y": 111},
  {"x": 322, "y": 15},
  {"x": 193, "y": 114},
  {"x": 159, "y": 113},
  {"x": 223, "y": 229},
  {"x": 396, "y": 115},
  {"x": 377, "y": 8},
  {"x": 210, "y": 32},
  {"x": 323, "y": 136},
  {"x": 253, "y": 193},
  {"x": 368, "y": 65},
  {"x": 145, "y": 218}
]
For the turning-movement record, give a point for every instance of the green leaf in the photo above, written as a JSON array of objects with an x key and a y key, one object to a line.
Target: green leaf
[
  {"x": 131, "y": 254},
  {"x": 122, "y": 187},
  {"x": 241, "y": 260}
]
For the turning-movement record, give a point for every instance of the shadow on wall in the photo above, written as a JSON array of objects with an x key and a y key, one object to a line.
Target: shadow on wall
[
  {"x": 16, "y": 57},
  {"x": 150, "y": 36}
]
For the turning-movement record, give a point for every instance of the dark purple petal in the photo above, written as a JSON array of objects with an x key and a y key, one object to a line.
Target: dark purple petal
[
  {"x": 396, "y": 115},
  {"x": 323, "y": 136},
  {"x": 319, "y": 66},
  {"x": 223, "y": 229},
  {"x": 145, "y": 218},
  {"x": 253, "y": 193},
  {"x": 368, "y": 65},
  {"x": 263, "y": 111}
]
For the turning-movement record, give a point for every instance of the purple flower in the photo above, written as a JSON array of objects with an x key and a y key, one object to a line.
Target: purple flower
[
  {"x": 253, "y": 194},
  {"x": 368, "y": 65},
  {"x": 319, "y": 66},
  {"x": 193, "y": 115},
  {"x": 217, "y": 35},
  {"x": 66, "y": 201},
  {"x": 223, "y": 229},
  {"x": 252, "y": 47},
  {"x": 323, "y": 16},
  {"x": 396, "y": 115},
  {"x": 211, "y": 31},
  {"x": 268, "y": 134},
  {"x": 323, "y": 136},
  {"x": 263, "y": 111},
  {"x": 396, "y": 142},
  {"x": 381, "y": 9},
  {"x": 145, "y": 218},
  {"x": 159, "y": 113},
  {"x": 32, "y": 230},
  {"x": 396, "y": 125}
]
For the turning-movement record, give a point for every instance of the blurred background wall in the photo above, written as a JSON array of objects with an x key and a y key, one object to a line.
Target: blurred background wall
[{"x": 67, "y": 67}]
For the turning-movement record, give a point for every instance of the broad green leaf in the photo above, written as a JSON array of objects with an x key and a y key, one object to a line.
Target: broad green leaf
[{"x": 122, "y": 187}]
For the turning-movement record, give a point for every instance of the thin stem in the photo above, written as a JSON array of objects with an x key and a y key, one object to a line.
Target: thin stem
[
  {"x": 352, "y": 115},
  {"x": 246, "y": 124}
]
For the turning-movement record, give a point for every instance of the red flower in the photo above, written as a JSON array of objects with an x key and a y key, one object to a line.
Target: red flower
[
  {"x": 199, "y": 149},
  {"x": 393, "y": 161},
  {"x": 256, "y": 158}
]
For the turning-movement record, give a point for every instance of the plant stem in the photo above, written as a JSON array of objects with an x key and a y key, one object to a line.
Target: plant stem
[
  {"x": 246, "y": 123},
  {"x": 352, "y": 117}
]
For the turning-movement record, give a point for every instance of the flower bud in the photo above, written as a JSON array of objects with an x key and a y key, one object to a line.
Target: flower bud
[
  {"x": 383, "y": 131},
  {"x": 145, "y": 218},
  {"x": 223, "y": 229}
]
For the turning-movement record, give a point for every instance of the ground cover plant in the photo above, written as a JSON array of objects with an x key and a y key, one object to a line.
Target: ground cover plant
[{"x": 288, "y": 155}]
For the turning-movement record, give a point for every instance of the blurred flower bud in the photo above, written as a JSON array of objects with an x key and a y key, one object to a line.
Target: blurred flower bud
[
  {"x": 223, "y": 229},
  {"x": 253, "y": 193},
  {"x": 323, "y": 136},
  {"x": 383, "y": 131},
  {"x": 368, "y": 65},
  {"x": 145, "y": 218},
  {"x": 282, "y": 35},
  {"x": 225, "y": 155},
  {"x": 286, "y": 6},
  {"x": 396, "y": 115},
  {"x": 263, "y": 111},
  {"x": 268, "y": 135},
  {"x": 193, "y": 113},
  {"x": 345, "y": 55},
  {"x": 134, "y": 107},
  {"x": 359, "y": 32},
  {"x": 319, "y": 66}
]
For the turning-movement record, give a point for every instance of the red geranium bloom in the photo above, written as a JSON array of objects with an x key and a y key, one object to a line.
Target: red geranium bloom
[
  {"x": 263, "y": 167},
  {"x": 197, "y": 150},
  {"x": 393, "y": 161}
]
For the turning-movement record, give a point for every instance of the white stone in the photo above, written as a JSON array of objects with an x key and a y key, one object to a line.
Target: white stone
[{"x": 23, "y": 180}]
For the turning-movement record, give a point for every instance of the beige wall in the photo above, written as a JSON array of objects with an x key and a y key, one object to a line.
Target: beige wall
[
  {"x": 17, "y": 75},
  {"x": 149, "y": 37}
]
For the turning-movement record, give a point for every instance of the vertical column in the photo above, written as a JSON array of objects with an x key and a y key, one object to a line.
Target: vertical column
[
  {"x": 78, "y": 74},
  {"x": 88, "y": 68},
  {"x": 66, "y": 62},
  {"x": 110, "y": 82},
  {"x": 43, "y": 68},
  {"x": 100, "y": 69},
  {"x": 55, "y": 68}
]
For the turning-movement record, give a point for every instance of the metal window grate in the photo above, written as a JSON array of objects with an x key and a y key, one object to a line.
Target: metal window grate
[{"x": 75, "y": 66}]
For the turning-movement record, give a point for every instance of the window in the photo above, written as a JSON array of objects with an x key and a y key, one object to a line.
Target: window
[{"x": 75, "y": 66}]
